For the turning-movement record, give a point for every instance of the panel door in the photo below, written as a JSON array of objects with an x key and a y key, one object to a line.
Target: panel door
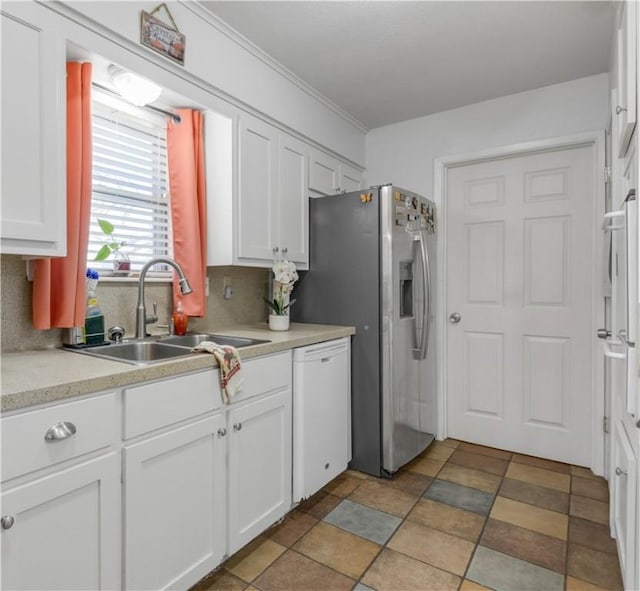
[
  {"x": 259, "y": 466},
  {"x": 293, "y": 180},
  {"x": 520, "y": 274},
  {"x": 257, "y": 213},
  {"x": 624, "y": 504},
  {"x": 174, "y": 526},
  {"x": 66, "y": 530},
  {"x": 33, "y": 135}
]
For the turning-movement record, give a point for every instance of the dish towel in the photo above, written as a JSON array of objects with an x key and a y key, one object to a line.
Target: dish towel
[{"x": 228, "y": 359}]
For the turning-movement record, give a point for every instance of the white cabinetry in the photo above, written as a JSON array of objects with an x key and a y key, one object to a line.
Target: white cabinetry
[
  {"x": 328, "y": 175},
  {"x": 61, "y": 497},
  {"x": 174, "y": 481},
  {"x": 272, "y": 195},
  {"x": 626, "y": 74},
  {"x": 259, "y": 466},
  {"x": 33, "y": 212},
  {"x": 321, "y": 415}
]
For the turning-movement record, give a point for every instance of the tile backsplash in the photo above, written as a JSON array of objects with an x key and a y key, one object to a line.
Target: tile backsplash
[{"x": 117, "y": 301}]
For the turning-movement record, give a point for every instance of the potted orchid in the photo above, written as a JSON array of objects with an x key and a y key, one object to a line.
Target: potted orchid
[{"x": 284, "y": 276}]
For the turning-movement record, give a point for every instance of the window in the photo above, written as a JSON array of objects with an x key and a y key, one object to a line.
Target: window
[{"x": 130, "y": 182}]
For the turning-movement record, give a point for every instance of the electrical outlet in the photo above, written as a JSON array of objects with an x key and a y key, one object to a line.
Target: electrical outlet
[{"x": 227, "y": 289}]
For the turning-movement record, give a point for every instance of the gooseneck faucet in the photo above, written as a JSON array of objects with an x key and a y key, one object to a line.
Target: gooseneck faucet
[{"x": 141, "y": 314}]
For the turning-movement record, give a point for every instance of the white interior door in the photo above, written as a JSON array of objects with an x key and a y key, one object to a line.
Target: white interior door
[{"x": 520, "y": 264}]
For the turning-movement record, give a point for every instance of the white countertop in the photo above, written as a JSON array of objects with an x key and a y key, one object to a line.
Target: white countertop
[{"x": 38, "y": 377}]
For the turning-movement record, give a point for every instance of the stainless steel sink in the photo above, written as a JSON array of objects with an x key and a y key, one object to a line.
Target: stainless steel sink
[
  {"x": 191, "y": 340},
  {"x": 138, "y": 352}
]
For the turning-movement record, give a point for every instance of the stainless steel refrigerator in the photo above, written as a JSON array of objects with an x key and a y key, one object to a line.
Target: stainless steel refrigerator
[{"x": 372, "y": 266}]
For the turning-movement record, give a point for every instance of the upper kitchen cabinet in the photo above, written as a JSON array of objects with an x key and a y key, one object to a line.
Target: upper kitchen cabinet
[
  {"x": 33, "y": 213},
  {"x": 328, "y": 175},
  {"x": 269, "y": 218},
  {"x": 626, "y": 64}
]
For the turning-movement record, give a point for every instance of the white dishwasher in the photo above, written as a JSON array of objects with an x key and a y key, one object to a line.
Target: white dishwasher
[{"x": 321, "y": 414}]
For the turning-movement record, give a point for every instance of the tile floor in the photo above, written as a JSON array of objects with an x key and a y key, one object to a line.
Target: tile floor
[{"x": 460, "y": 516}]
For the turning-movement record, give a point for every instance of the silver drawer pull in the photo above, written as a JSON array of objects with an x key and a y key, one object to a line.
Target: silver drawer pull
[
  {"x": 7, "y": 521},
  {"x": 60, "y": 431},
  {"x": 237, "y": 427},
  {"x": 620, "y": 472},
  {"x": 222, "y": 432}
]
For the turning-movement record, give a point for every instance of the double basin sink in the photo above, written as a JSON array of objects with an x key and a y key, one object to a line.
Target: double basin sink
[{"x": 155, "y": 350}]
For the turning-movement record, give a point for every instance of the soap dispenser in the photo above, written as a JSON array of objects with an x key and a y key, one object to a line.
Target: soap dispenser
[{"x": 180, "y": 320}]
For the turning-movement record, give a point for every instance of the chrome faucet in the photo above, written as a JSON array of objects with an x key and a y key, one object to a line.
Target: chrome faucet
[{"x": 141, "y": 314}]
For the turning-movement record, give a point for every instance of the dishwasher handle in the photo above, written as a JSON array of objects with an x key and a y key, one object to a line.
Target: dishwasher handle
[{"x": 323, "y": 352}]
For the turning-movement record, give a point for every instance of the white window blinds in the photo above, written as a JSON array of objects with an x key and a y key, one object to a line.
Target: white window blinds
[{"x": 130, "y": 183}]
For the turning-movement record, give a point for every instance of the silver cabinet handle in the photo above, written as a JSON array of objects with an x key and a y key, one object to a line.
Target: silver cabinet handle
[
  {"x": 222, "y": 432},
  {"x": 7, "y": 521},
  {"x": 237, "y": 427},
  {"x": 455, "y": 318},
  {"x": 60, "y": 431},
  {"x": 285, "y": 250},
  {"x": 620, "y": 472},
  {"x": 619, "y": 109}
]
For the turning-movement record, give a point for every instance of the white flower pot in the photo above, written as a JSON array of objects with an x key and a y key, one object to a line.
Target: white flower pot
[{"x": 277, "y": 322}]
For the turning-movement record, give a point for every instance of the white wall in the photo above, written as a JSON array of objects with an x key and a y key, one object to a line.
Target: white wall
[
  {"x": 215, "y": 57},
  {"x": 403, "y": 154}
]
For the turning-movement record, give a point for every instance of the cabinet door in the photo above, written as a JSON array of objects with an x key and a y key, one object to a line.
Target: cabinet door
[
  {"x": 324, "y": 173},
  {"x": 350, "y": 179},
  {"x": 625, "y": 494},
  {"x": 257, "y": 213},
  {"x": 293, "y": 162},
  {"x": 33, "y": 219},
  {"x": 66, "y": 530},
  {"x": 259, "y": 466},
  {"x": 626, "y": 73},
  {"x": 174, "y": 527}
]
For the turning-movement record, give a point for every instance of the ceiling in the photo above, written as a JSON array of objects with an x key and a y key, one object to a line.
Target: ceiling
[{"x": 389, "y": 61}]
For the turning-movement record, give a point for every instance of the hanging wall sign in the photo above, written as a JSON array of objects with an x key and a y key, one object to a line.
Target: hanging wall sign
[{"x": 161, "y": 37}]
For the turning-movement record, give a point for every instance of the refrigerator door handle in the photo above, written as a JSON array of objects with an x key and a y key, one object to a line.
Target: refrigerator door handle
[{"x": 421, "y": 352}]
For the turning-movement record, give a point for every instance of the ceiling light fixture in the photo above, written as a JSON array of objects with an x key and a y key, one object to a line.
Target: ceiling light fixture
[{"x": 133, "y": 88}]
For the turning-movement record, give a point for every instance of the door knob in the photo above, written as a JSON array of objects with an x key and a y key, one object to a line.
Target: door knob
[
  {"x": 620, "y": 472},
  {"x": 603, "y": 333},
  {"x": 7, "y": 521},
  {"x": 455, "y": 318}
]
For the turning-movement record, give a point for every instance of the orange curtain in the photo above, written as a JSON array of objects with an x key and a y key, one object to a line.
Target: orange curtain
[
  {"x": 185, "y": 152},
  {"x": 59, "y": 298}
]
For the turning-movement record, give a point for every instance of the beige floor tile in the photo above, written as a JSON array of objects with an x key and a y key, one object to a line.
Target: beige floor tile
[
  {"x": 343, "y": 485},
  {"x": 589, "y": 509},
  {"x": 425, "y": 466},
  {"x": 357, "y": 474},
  {"x": 251, "y": 560},
  {"x": 468, "y": 585},
  {"x": 542, "y": 463},
  {"x": 449, "y": 442},
  {"x": 479, "y": 462},
  {"x": 483, "y": 450},
  {"x": 220, "y": 580},
  {"x": 292, "y": 528},
  {"x": 539, "y": 476},
  {"x": 437, "y": 451},
  {"x": 583, "y": 472},
  {"x": 574, "y": 584},
  {"x": 393, "y": 571},
  {"x": 590, "y": 487},
  {"x": 338, "y": 549},
  {"x": 452, "y": 520},
  {"x": 384, "y": 498},
  {"x": 534, "y": 518},
  {"x": 469, "y": 477},
  {"x": 433, "y": 547}
]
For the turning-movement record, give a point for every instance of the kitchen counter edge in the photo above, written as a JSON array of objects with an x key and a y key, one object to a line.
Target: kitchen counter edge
[{"x": 30, "y": 378}]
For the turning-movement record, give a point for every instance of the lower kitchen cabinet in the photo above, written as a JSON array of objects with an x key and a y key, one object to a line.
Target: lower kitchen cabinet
[
  {"x": 259, "y": 465},
  {"x": 174, "y": 521},
  {"x": 624, "y": 504},
  {"x": 62, "y": 532}
]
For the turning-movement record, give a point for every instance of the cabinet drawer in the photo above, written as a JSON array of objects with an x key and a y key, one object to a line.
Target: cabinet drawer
[
  {"x": 160, "y": 404},
  {"x": 24, "y": 448},
  {"x": 265, "y": 374}
]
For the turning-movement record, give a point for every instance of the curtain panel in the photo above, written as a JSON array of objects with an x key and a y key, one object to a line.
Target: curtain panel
[
  {"x": 59, "y": 284},
  {"x": 185, "y": 153}
]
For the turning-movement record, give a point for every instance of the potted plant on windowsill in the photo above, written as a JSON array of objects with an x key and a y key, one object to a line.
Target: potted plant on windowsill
[
  {"x": 121, "y": 262},
  {"x": 284, "y": 275}
]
